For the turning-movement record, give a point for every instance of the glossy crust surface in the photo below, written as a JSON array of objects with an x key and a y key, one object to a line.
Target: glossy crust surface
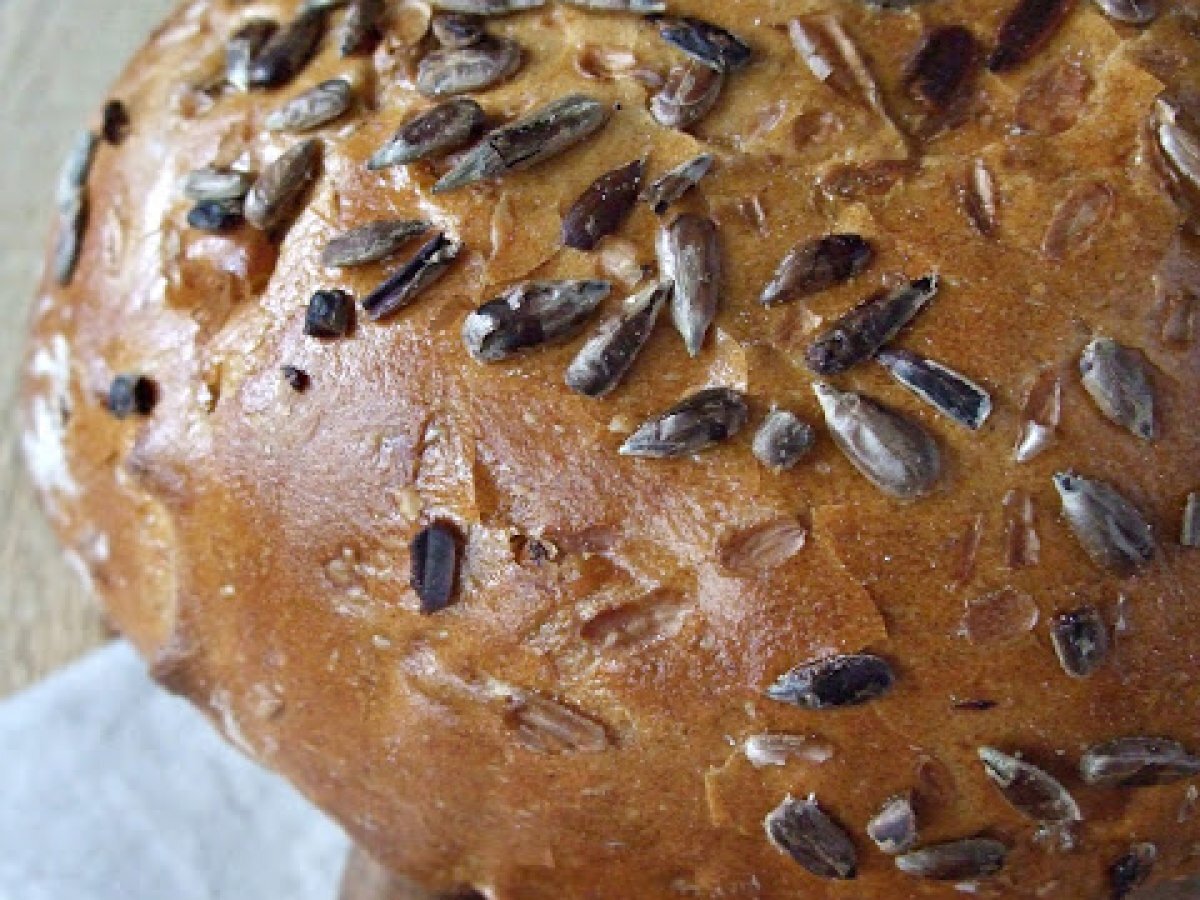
[{"x": 573, "y": 725}]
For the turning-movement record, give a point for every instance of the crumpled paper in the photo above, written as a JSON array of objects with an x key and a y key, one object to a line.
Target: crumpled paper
[{"x": 112, "y": 789}]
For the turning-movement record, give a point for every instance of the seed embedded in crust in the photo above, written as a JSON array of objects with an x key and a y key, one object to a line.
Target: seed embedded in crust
[
  {"x": 287, "y": 51},
  {"x": 1137, "y": 762},
  {"x": 1131, "y": 12},
  {"x": 529, "y": 315},
  {"x": 943, "y": 66},
  {"x": 1111, "y": 530},
  {"x": 817, "y": 265},
  {"x": 243, "y": 47},
  {"x": 315, "y": 107},
  {"x": 605, "y": 358},
  {"x": 689, "y": 94},
  {"x": 214, "y": 183},
  {"x": 330, "y": 314},
  {"x": 859, "y": 334},
  {"x": 434, "y": 574},
  {"x": 1026, "y": 29},
  {"x": 72, "y": 207},
  {"x": 698, "y": 422},
  {"x": 362, "y": 27},
  {"x": 296, "y": 378},
  {"x": 1131, "y": 869},
  {"x": 1119, "y": 380},
  {"x": 955, "y": 860},
  {"x": 690, "y": 256},
  {"x": 487, "y": 7},
  {"x": 678, "y": 181},
  {"x": 371, "y": 242},
  {"x": 977, "y": 197},
  {"x": 783, "y": 440},
  {"x": 1080, "y": 640},
  {"x": 601, "y": 209},
  {"x": 215, "y": 215},
  {"x": 950, "y": 393},
  {"x": 894, "y": 827},
  {"x": 475, "y": 68},
  {"x": 428, "y": 265},
  {"x": 443, "y": 129},
  {"x": 132, "y": 394},
  {"x": 706, "y": 43},
  {"x": 834, "y": 682},
  {"x": 1189, "y": 532},
  {"x": 802, "y": 830},
  {"x": 280, "y": 189},
  {"x": 763, "y": 547},
  {"x": 642, "y": 7},
  {"x": 457, "y": 30},
  {"x": 1028, "y": 789},
  {"x": 114, "y": 122}
]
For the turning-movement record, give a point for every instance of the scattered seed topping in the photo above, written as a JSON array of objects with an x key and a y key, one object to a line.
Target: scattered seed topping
[
  {"x": 1030, "y": 791},
  {"x": 287, "y": 51},
  {"x": 296, "y": 378},
  {"x": 776, "y": 749},
  {"x": 893, "y": 452},
  {"x": 659, "y": 615},
  {"x": 1022, "y": 546},
  {"x": 130, "y": 394},
  {"x": 1028, "y": 27},
  {"x": 696, "y": 423},
  {"x": 443, "y": 129},
  {"x": 642, "y": 7},
  {"x": 280, "y": 188},
  {"x": 706, "y": 43},
  {"x": 71, "y": 203},
  {"x": 818, "y": 265},
  {"x": 763, "y": 547},
  {"x": 602, "y": 208},
  {"x": 783, "y": 440},
  {"x": 362, "y": 27},
  {"x": 529, "y": 315},
  {"x": 833, "y": 58},
  {"x": 1053, "y": 99},
  {"x": 330, "y": 314},
  {"x": 802, "y": 830},
  {"x": 607, "y": 356},
  {"x": 1078, "y": 220},
  {"x": 677, "y": 182},
  {"x": 894, "y": 827},
  {"x": 217, "y": 184},
  {"x": 114, "y": 122},
  {"x": 955, "y": 860},
  {"x": 428, "y": 265},
  {"x": 457, "y": 30},
  {"x": 1132, "y": 869},
  {"x": 315, "y": 107},
  {"x": 487, "y": 7},
  {"x": 1110, "y": 529},
  {"x": 950, "y": 393},
  {"x": 690, "y": 92},
  {"x": 1131, "y": 12},
  {"x": 689, "y": 256},
  {"x": 434, "y": 556},
  {"x": 978, "y": 198},
  {"x": 979, "y": 705},
  {"x": 545, "y": 133},
  {"x": 242, "y": 49},
  {"x": 1137, "y": 762},
  {"x": 1080, "y": 639},
  {"x": 833, "y": 682},
  {"x": 859, "y": 334},
  {"x": 943, "y": 65},
  {"x": 475, "y": 68},
  {"x": 1041, "y": 415},
  {"x": 543, "y": 725},
  {"x": 1179, "y": 146},
  {"x": 1118, "y": 379},
  {"x": 371, "y": 242},
  {"x": 216, "y": 215},
  {"x": 1189, "y": 533}
]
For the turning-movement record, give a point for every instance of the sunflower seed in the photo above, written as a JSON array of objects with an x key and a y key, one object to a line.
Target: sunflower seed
[
  {"x": 486, "y": 7},
  {"x": 689, "y": 256},
  {"x": 132, "y": 394},
  {"x": 1118, "y": 379},
  {"x": 242, "y": 49},
  {"x": 330, "y": 314},
  {"x": 326, "y": 5},
  {"x": 783, "y": 440},
  {"x": 1080, "y": 639},
  {"x": 1110, "y": 529},
  {"x": 606, "y": 356},
  {"x": 1131, "y": 870},
  {"x": 1179, "y": 146},
  {"x": 999, "y": 616},
  {"x": 544, "y": 725},
  {"x": 1189, "y": 533},
  {"x": 543, "y": 134},
  {"x": 312, "y": 109},
  {"x": 1137, "y": 762},
  {"x": 1029, "y": 790},
  {"x": 955, "y": 860},
  {"x": 950, "y": 393},
  {"x": 1053, "y": 99},
  {"x": 660, "y": 615},
  {"x": 776, "y": 749},
  {"x": 296, "y": 378},
  {"x": 805, "y": 833},
  {"x": 854, "y": 181},
  {"x": 435, "y": 132},
  {"x": 763, "y": 547},
  {"x": 280, "y": 189},
  {"x": 642, "y": 7},
  {"x": 696, "y": 423},
  {"x": 706, "y": 43},
  {"x": 216, "y": 215},
  {"x": 72, "y": 206},
  {"x": 818, "y": 265},
  {"x": 894, "y": 453},
  {"x": 1029, "y": 26},
  {"x": 859, "y": 334},
  {"x": 434, "y": 572},
  {"x": 213, "y": 183},
  {"x": 474, "y": 68},
  {"x": 1021, "y": 542},
  {"x": 371, "y": 242},
  {"x": 601, "y": 208},
  {"x": 1131, "y": 12},
  {"x": 943, "y": 66},
  {"x": 978, "y": 198},
  {"x": 833, "y": 58},
  {"x": 456, "y": 31},
  {"x": 690, "y": 92},
  {"x": 677, "y": 182},
  {"x": 287, "y": 51},
  {"x": 894, "y": 827},
  {"x": 1078, "y": 220},
  {"x": 833, "y": 682},
  {"x": 530, "y": 315},
  {"x": 1041, "y": 413},
  {"x": 362, "y": 27},
  {"x": 114, "y": 122},
  {"x": 403, "y": 287}
]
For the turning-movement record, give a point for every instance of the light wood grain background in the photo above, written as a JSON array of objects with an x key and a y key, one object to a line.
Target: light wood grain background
[{"x": 57, "y": 58}]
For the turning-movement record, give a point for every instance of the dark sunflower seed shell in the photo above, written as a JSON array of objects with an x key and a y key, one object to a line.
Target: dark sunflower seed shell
[
  {"x": 955, "y": 861},
  {"x": 1137, "y": 762},
  {"x": 457, "y": 30},
  {"x": 544, "y": 134},
  {"x": 1027, "y": 28},
  {"x": 402, "y": 288},
  {"x": 217, "y": 184},
  {"x": 131, "y": 394},
  {"x": 1080, "y": 641},
  {"x": 690, "y": 256},
  {"x": 1131, "y": 12},
  {"x": 641, "y": 7},
  {"x": 834, "y": 682},
  {"x": 1118, "y": 379},
  {"x": 1189, "y": 531},
  {"x": 287, "y": 51},
  {"x": 677, "y": 182},
  {"x": 114, "y": 122},
  {"x": 280, "y": 188},
  {"x": 894, "y": 827},
  {"x": 362, "y": 27},
  {"x": 478, "y": 67},
  {"x": 434, "y": 567},
  {"x": 950, "y": 393},
  {"x": 1180, "y": 147},
  {"x": 330, "y": 314},
  {"x": 818, "y": 265},
  {"x": 529, "y": 315},
  {"x": 242, "y": 48},
  {"x": 216, "y": 215},
  {"x": 859, "y": 334},
  {"x": 802, "y": 830},
  {"x": 72, "y": 207},
  {"x": 1110, "y": 529},
  {"x": 312, "y": 109},
  {"x": 893, "y": 452},
  {"x": 943, "y": 66},
  {"x": 606, "y": 357},
  {"x": 600, "y": 209},
  {"x": 690, "y": 92},
  {"x": 1131, "y": 870},
  {"x": 443, "y": 129},
  {"x": 371, "y": 242},
  {"x": 706, "y": 43},
  {"x": 783, "y": 440},
  {"x": 487, "y": 7},
  {"x": 694, "y": 424},
  {"x": 1029, "y": 790}
]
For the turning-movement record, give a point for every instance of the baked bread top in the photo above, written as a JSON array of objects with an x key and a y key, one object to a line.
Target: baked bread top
[{"x": 537, "y": 643}]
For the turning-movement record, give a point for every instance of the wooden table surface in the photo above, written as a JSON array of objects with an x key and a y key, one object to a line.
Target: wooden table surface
[{"x": 57, "y": 58}]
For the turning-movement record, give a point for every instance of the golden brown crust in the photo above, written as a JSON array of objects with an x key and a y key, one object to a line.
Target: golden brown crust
[{"x": 254, "y": 540}]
